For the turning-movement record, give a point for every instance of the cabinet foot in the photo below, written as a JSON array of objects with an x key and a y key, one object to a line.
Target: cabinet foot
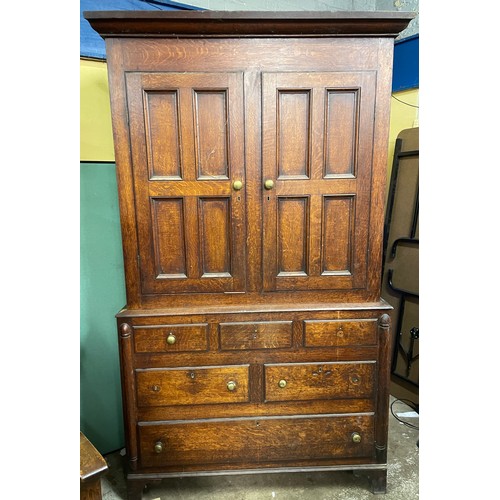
[
  {"x": 378, "y": 482},
  {"x": 135, "y": 489}
]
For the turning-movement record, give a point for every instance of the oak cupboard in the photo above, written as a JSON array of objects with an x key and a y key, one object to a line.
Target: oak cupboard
[{"x": 251, "y": 160}]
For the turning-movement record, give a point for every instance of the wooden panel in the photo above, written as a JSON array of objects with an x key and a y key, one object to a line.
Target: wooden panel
[
  {"x": 341, "y": 127},
  {"x": 293, "y": 116},
  {"x": 191, "y": 385},
  {"x": 326, "y": 253},
  {"x": 169, "y": 242},
  {"x": 307, "y": 381},
  {"x": 193, "y": 337},
  {"x": 292, "y": 236},
  {"x": 211, "y": 119},
  {"x": 258, "y": 335},
  {"x": 201, "y": 257},
  {"x": 215, "y": 236},
  {"x": 162, "y": 134},
  {"x": 338, "y": 226},
  {"x": 339, "y": 333},
  {"x": 261, "y": 440}
]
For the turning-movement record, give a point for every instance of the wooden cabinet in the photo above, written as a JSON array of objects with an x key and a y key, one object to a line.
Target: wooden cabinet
[{"x": 251, "y": 161}]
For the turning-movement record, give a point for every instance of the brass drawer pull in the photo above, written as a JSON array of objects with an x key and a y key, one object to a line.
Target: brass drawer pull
[
  {"x": 171, "y": 339},
  {"x": 282, "y": 384},
  {"x": 158, "y": 447},
  {"x": 356, "y": 437},
  {"x": 231, "y": 385}
]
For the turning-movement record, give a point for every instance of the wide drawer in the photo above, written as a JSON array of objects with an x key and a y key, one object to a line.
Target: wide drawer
[
  {"x": 255, "y": 335},
  {"x": 269, "y": 439},
  {"x": 192, "y": 385},
  {"x": 318, "y": 333},
  {"x": 171, "y": 338},
  {"x": 309, "y": 381}
]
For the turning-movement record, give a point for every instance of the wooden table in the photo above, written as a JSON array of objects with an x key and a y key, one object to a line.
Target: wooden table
[{"x": 92, "y": 466}]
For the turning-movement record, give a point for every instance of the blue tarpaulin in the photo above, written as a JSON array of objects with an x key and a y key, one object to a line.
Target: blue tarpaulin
[
  {"x": 405, "y": 73},
  {"x": 91, "y": 44}
]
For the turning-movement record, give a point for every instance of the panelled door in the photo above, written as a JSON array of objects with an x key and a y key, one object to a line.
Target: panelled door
[
  {"x": 317, "y": 132},
  {"x": 188, "y": 158}
]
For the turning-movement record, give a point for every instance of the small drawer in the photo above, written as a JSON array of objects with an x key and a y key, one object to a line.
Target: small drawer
[
  {"x": 335, "y": 333},
  {"x": 257, "y": 335},
  {"x": 258, "y": 440},
  {"x": 309, "y": 381},
  {"x": 192, "y": 386},
  {"x": 171, "y": 338}
]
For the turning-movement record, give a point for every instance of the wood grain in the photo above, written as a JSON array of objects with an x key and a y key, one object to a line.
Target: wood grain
[{"x": 279, "y": 343}]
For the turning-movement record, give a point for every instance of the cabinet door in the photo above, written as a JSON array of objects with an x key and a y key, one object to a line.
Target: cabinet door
[
  {"x": 317, "y": 150},
  {"x": 186, "y": 133}
]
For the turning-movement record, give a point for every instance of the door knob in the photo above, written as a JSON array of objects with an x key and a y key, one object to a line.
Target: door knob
[
  {"x": 268, "y": 184},
  {"x": 237, "y": 185}
]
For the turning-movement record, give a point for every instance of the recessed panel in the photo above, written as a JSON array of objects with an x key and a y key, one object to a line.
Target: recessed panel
[
  {"x": 340, "y": 132},
  {"x": 293, "y": 134},
  {"x": 292, "y": 236},
  {"x": 162, "y": 129},
  {"x": 338, "y": 212},
  {"x": 215, "y": 236},
  {"x": 211, "y": 129},
  {"x": 168, "y": 236}
]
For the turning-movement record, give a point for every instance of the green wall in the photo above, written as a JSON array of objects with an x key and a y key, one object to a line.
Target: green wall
[{"x": 102, "y": 295}]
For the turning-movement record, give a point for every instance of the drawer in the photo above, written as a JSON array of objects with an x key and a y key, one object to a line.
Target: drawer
[
  {"x": 171, "y": 338},
  {"x": 268, "y": 439},
  {"x": 319, "y": 333},
  {"x": 308, "y": 381},
  {"x": 192, "y": 385},
  {"x": 256, "y": 335}
]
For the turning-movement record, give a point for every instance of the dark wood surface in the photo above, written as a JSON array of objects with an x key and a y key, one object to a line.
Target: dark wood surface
[
  {"x": 251, "y": 157},
  {"x": 224, "y": 23},
  {"x": 92, "y": 467}
]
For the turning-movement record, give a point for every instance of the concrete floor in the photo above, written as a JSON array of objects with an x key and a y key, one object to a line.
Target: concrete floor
[{"x": 402, "y": 478}]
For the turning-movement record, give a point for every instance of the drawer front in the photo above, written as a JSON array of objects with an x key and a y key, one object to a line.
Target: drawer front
[
  {"x": 277, "y": 439},
  {"x": 256, "y": 335},
  {"x": 340, "y": 333},
  {"x": 192, "y": 385},
  {"x": 171, "y": 338},
  {"x": 309, "y": 381}
]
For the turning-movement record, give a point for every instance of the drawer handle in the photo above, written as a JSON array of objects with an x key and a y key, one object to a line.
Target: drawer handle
[
  {"x": 171, "y": 339},
  {"x": 158, "y": 447},
  {"x": 231, "y": 385},
  {"x": 356, "y": 437},
  {"x": 282, "y": 384}
]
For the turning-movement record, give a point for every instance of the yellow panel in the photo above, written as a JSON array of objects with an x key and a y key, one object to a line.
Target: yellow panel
[
  {"x": 96, "y": 136},
  {"x": 402, "y": 117}
]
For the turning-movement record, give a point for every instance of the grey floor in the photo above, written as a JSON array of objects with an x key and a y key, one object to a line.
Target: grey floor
[{"x": 402, "y": 477}]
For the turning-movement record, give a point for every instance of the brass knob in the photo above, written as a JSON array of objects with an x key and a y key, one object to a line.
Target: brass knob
[
  {"x": 158, "y": 447},
  {"x": 356, "y": 438},
  {"x": 268, "y": 184},
  {"x": 171, "y": 339},
  {"x": 237, "y": 185},
  {"x": 282, "y": 383},
  {"x": 231, "y": 385}
]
